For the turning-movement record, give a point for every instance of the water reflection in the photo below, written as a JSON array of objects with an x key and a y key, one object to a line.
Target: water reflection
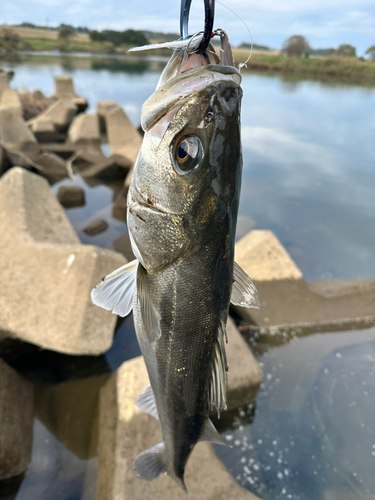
[{"x": 312, "y": 435}]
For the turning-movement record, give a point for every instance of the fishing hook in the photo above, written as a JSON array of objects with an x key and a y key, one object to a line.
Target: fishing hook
[{"x": 209, "y": 14}]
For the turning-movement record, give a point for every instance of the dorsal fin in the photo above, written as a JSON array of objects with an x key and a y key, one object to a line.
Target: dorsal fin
[
  {"x": 146, "y": 402},
  {"x": 217, "y": 395},
  {"x": 244, "y": 292},
  {"x": 115, "y": 291}
]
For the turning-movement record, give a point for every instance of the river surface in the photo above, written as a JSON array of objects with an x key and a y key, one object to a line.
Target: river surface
[{"x": 309, "y": 176}]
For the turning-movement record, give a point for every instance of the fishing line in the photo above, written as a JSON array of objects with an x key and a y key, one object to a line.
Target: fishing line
[{"x": 244, "y": 64}]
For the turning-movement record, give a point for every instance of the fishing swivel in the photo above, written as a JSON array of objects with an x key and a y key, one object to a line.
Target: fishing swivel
[{"x": 209, "y": 14}]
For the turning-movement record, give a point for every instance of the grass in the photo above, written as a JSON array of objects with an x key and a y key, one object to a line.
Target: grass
[{"x": 266, "y": 61}]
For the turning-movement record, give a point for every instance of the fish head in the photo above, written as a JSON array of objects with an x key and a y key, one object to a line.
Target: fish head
[{"x": 188, "y": 172}]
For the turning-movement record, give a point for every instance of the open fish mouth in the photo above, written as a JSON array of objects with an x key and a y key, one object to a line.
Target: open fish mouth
[{"x": 186, "y": 73}]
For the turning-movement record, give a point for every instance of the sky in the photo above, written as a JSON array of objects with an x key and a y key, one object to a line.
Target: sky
[{"x": 325, "y": 23}]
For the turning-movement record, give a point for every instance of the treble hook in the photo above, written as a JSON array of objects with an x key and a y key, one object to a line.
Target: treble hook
[{"x": 209, "y": 14}]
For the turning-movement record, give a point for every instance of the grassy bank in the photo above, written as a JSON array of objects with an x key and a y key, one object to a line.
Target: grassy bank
[
  {"x": 337, "y": 67},
  {"x": 266, "y": 61}
]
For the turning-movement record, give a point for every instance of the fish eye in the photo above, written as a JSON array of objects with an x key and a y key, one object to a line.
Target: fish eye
[{"x": 188, "y": 153}]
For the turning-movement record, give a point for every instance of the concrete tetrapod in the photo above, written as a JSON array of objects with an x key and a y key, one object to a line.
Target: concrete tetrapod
[
  {"x": 16, "y": 422},
  {"x": 125, "y": 431},
  {"x": 288, "y": 301},
  {"x": 47, "y": 275}
]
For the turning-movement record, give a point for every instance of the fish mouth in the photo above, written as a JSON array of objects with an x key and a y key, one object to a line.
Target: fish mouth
[{"x": 138, "y": 199}]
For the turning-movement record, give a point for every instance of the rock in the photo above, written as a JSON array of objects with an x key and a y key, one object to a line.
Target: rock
[
  {"x": 65, "y": 90},
  {"x": 4, "y": 83},
  {"x": 61, "y": 113},
  {"x": 102, "y": 109},
  {"x": 114, "y": 168},
  {"x": 53, "y": 167},
  {"x": 44, "y": 129},
  {"x": 71, "y": 196},
  {"x": 263, "y": 258},
  {"x": 84, "y": 130},
  {"x": 123, "y": 138},
  {"x": 244, "y": 374},
  {"x": 125, "y": 431},
  {"x": 66, "y": 151},
  {"x": 34, "y": 103},
  {"x": 96, "y": 227},
  {"x": 47, "y": 275},
  {"x": 10, "y": 101},
  {"x": 123, "y": 245},
  {"x": 16, "y": 417},
  {"x": 16, "y": 137}
]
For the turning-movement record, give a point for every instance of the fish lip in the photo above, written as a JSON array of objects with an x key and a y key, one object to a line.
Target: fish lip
[{"x": 137, "y": 197}]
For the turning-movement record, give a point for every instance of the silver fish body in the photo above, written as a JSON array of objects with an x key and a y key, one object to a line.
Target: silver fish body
[{"x": 182, "y": 213}]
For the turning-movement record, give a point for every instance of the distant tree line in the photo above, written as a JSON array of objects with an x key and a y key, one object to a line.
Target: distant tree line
[
  {"x": 78, "y": 29},
  {"x": 298, "y": 46},
  {"x": 117, "y": 38}
]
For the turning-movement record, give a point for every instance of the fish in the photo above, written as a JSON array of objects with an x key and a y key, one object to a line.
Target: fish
[{"x": 181, "y": 213}]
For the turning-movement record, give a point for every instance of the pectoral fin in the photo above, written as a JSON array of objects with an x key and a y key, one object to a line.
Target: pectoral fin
[
  {"x": 115, "y": 292},
  {"x": 150, "y": 315},
  {"x": 244, "y": 293},
  {"x": 146, "y": 402}
]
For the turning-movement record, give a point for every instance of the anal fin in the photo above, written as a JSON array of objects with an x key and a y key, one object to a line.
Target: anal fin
[
  {"x": 146, "y": 402},
  {"x": 217, "y": 395}
]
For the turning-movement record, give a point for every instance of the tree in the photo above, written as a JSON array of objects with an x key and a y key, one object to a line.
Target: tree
[
  {"x": 65, "y": 33},
  {"x": 346, "y": 50},
  {"x": 296, "y": 45},
  {"x": 371, "y": 52}
]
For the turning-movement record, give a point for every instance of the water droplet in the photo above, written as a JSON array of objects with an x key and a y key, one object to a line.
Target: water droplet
[
  {"x": 280, "y": 475},
  {"x": 286, "y": 472},
  {"x": 260, "y": 441},
  {"x": 256, "y": 467},
  {"x": 339, "y": 355}
]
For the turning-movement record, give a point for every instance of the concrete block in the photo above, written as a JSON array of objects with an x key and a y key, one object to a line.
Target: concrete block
[
  {"x": 70, "y": 412},
  {"x": 47, "y": 275},
  {"x": 125, "y": 431},
  {"x": 16, "y": 417},
  {"x": 44, "y": 129},
  {"x": 123, "y": 138},
  {"x": 53, "y": 167},
  {"x": 263, "y": 258},
  {"x": 61, "y": 113},
  {"x": 71, "y": 196},
  {"x": 4, "y": 82},
  {"x": 111, "y": 169},
  {"x": 102, "y": 109},
  {"x": 10, "y": 100},
  {"x": 96, "y": 227},
  {"x": 64, "y": 89},
  {"x": 244, "y": 373},
  {"x": 288, "y": 301},
  {"x": 84, "y": 130},
  {"x": 16, "y": 137}
]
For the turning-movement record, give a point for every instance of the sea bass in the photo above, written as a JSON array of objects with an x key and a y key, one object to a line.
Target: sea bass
[{"x": 182, "y": 214}]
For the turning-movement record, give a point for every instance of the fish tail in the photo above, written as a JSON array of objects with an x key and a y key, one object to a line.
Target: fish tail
[{"x": 150, "y": 464}]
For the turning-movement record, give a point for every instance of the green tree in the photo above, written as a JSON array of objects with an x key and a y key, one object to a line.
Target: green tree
[
  {"x": 296, "y": 45},
  {"x": 65, "y": 33},
  {"x": 371, "y": 52},
  {"x": 346, "y": 50}
]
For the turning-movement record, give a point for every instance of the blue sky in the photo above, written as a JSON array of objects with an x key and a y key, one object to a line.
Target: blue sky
[{"x": 325, "y": 23}]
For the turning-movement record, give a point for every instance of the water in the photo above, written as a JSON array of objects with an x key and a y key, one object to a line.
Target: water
[{"x": 309, "y": 158}]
